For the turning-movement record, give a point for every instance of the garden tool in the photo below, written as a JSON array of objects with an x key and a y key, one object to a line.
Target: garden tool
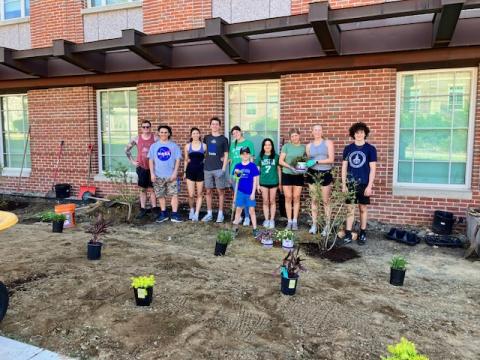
[
  {"x": 23, "y": 159},
  {"x": 237, "y": 180},
  {"x": 88, "y": 188},
  {"x": 51, "y": 192}
]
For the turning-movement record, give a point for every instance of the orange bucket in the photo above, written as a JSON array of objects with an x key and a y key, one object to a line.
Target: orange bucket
[{"x": 69, "y": 211}]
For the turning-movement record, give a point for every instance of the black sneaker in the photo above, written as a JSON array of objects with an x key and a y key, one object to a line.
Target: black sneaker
[
  {"x": 362, "y": 239},
  {"x": 347, "y": 239},
  {"x": 141, "y": 213}
]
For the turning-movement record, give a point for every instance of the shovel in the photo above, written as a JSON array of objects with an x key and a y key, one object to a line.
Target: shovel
[
  {"x": 237, "y": 180},
  {"x": 51, "y": 193}
]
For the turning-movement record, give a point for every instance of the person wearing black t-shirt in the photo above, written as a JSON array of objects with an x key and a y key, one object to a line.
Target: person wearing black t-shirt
[{"x": 358, "y": 173}]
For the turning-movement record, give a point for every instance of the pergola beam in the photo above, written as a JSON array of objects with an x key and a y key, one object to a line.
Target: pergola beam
[
  {"x": 446, "y": 21},
  {"x": 160, "y": 55},
  {"x": 94, "y": 62},
  {"x": 328, "y": 35},
  {"x": 32, "y": 66},
  {"x": 236, "y": 48}
]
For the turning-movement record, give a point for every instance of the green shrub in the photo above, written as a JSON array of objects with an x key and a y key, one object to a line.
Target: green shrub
[
  {"x": 143, "y": 282},
  {"x": 404, "y": 350},
  {"x": 50, "y": 216},
  {"x": 398, "y": 263},
  {"x": 225, "y": 237}
]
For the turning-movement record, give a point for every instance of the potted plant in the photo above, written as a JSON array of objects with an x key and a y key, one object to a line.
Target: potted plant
[
  {"x": 94, "y": 246},
  {"x": 404, "y": 350},
  {"x": 291, "y": 266},
  {"x": 300, "y": 163},
  {"x": 398, "y": 266},
  {"x": 224, "y": 237},
  {"x": 143, "y": 289},
  {"x": 266, "y": 238},
  {"x": 57, "y": 220},
  {"x": 286, "y": 237}
]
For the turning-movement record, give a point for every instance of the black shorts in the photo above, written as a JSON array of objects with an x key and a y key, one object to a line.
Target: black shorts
[
  {"x": 360, "y": 197},
  {"x": 144, "y": 179},
  {"x": 269, "y": 186},
  {"x": 312, "y": 175},
  {"x": 292, "y": 180},
  {"x": 196, "y": 176}
]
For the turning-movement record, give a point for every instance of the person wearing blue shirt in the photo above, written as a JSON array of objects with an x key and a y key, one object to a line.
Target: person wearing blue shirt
[
  {"x": 358, "y": 173},
  {"x": 247, "y": 185},
  {"x": 164, "y": 159}
]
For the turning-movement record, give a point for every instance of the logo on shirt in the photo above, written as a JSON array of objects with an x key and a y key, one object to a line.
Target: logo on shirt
[
  {"x": 357, "y": 159},
  {"x": 164, "y": 153}
]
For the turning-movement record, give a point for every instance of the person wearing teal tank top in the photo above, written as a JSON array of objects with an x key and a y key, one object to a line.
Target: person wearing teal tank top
[{"x": 292, "y": 181}]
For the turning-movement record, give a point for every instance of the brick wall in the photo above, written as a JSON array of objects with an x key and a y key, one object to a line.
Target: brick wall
[
  {"x": 166, "y": 15},
  {"x": 336, "y": 100},
  {"x": 55, "y": 19},
  {"x": 301, "y": 6}
]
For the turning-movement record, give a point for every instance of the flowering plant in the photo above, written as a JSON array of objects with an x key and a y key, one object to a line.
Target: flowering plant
[
  {"x": 285, "y": 234},
  {"x": 143, "y": 282}
]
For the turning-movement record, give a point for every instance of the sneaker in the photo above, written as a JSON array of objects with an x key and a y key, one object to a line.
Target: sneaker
[
  {"x": 289, "y": 225},
  {"x": 207, "y": 218},
  {"x": 294, "y": 225},
  {"x": 246, "y": 222},
  {"x": 141, "y": 213},
  {"x": 175, "y": 218},
  {"x": 220, "y": 218},
  {"x": 362, "y": 239},
  {"x": 191, "y": 214},
  {"x": 255, "y": 232},
  {"x": 195, "y": 218},
  {"x": 347, "y": 239},
  {"x": 155, "y": 211},
  {"x": 162, "y": 217},
  {"x": 272, "y": 224},
  {"x": 313, "y": 229},
  {"x": 324, "y": 232},
  {"x": 266, "y": 224}
]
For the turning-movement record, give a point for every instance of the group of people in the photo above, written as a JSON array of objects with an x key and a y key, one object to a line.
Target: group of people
[{"x": 216, "y": 164}]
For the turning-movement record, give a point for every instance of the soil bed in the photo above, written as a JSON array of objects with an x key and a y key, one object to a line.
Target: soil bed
[{"x": 207, "y": 307}]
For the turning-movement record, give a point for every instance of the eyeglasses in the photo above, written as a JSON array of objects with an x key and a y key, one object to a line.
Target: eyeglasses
[{"x": 146, "y": 127}]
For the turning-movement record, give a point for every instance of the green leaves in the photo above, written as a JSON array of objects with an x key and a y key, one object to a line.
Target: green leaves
[
  {"x": 50, "y": 216},
  {"x": 143, "y": 282},
  {"x": 398, "y": 263},
  {"x": 404, "y": 350},
  {"x": 225, "y": 236}
]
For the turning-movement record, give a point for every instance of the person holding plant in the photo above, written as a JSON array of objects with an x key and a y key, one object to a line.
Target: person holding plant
[
  {"x": 270, "y": 176},
  {"x": 292, "y": 181},
  {"x": 143, "y": 143},
  {"x": 321, "y": 153},
  {"x": 164, "y": 159},
  {"x": 247, "y": 185},
  {"x": 193, "y": 171},
  {"x": 236, "y": 143},
  {"x": 358, "y": 174}
]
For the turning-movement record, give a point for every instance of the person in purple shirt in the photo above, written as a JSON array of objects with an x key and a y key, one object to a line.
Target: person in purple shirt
[{"x": 358, "y": 173}]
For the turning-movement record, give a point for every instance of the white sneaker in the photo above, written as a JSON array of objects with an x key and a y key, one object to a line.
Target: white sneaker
[
  {"x": 266, "y": 224},
  {"x": 220, "y": 218},
  {"x": 294, "y": 225},
  {"x": 207, "y": 218},
  {"x": 289, "y": 225},
  {"x": 195, "y": 218},
  {"x": 313, "y": 229},
  {"x": 272, "y": 224},
  {"x": 191, "y": 214},
  {"x": 324, "y": 232},
  {"x": 246, "y": 222}
]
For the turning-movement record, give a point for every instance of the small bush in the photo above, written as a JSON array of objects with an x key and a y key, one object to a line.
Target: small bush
[
  {"x": 404, "y": 350},
  {"x": 143, "y": 282},
  {"x": 50, "y": 216},
  {"x": 225, "y": 237},
  {"x": 398, "y": 263}
]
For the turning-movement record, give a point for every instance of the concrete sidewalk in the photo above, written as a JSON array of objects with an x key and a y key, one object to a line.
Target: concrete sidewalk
[{"x": 15, "y": 350}]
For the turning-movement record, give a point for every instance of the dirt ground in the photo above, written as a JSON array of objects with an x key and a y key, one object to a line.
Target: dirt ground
[{"x": 208, "y": 307}]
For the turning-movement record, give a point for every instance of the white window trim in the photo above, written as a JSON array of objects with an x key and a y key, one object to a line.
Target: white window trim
[
  {"x": 436, "y": 190},
  {"x": 11, "y": 171},
  {"x": 101, "y": 174},
  {"x": 4, "y": 21},
  {"x": 227, "y": 110},
  {"x": 104, "y": 7}
]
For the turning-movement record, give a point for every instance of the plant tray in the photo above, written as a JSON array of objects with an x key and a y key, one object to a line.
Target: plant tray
[
  {"x": 445, "y": 240},
  {"x": 403, "y": 236}
]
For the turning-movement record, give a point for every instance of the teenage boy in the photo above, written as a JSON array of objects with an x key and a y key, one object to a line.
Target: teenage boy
[
  {"x": 164, "y": 159},
  {"x": 216, "y": 160},
  {"x": 358, "y": 173},
  {"x": 143, "y": 143},
  {"x": 247, "y": 185}
]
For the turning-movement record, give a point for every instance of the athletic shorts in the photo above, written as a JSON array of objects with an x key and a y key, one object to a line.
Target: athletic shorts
[
  {"x": 196, "y": 176},
  {"x": 269, "y": 186},
  {"x": 360, "y": 197},
  {"x": 312, "y": 175},
  {"x": 292, "y": 180},
  {"x": 144, "y": 179},
  {"x": 163, "y": 187},
  {"x": 215, "y": 179},
  {"x": 243, "y": 200}
]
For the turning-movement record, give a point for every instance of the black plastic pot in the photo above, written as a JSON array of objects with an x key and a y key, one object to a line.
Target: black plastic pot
[
  {"x": 220, "y": 249},
  {"x": 3, "y": 300},
  {"x": 94, "y": 251},
  {"x": 145, "y": 299},
  {"x": 289, "y": 285},
  {"x": 57, "y": 226},
  {"x": 62, "y": 191},
  {"x": 443, "y": 222},
  {"x": 397, "y": 277}
]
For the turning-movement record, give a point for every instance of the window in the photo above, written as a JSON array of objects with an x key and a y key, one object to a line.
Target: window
[
  {"x": 255, "y": 107},
  {"x": 435, "y": 128},
  {"x": 96, "y": 3},
  {"x": 117, "y": 114},
  {"x": 14, "y": 9},
  {"x": 14, "y": 128}
]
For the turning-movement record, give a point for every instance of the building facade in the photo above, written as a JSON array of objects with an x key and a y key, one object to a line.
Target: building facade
[{"x": 88, "y": 72}]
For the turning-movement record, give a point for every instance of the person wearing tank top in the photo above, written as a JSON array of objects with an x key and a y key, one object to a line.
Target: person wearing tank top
[
  {"x": 193, "y": 171},
  {"x": 143, "y": 143},
  {"x": 322, "y": 152}
]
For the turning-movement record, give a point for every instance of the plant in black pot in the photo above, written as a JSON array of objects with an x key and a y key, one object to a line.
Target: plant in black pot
[
  {"x": 94, "y": 246},
  {"x": 57, "y": 220},
  {"x": 143, "y": 289},
  {"x": 224, "y": 237},
  {"x": 398, "y": 266},
  {"x": 291, "y": 266}
]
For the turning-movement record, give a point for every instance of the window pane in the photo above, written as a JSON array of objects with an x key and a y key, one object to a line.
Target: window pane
[
  {"x": 234, "y": 114},
  {"x": 432, "y": 145},
  {"x": 111, "y": 2},
  {"x": 405, "y": 171},
  {"x": 407, "y": 113},
  {"x": 27, "y": 7},
  {"x": 406, "y": 145},
  {"x": 118, "y": 99},
  {"x": 132, "y": 98},
  {"x": 445, "y": 82},
  {"x": 14, "y": 121},
  {"x": 433, "y": 113},
  {"x": 96, "y": 3},
  {"x": 457, "y": 173},
  {"x": 14, "y": 103},
  {"x": 12, "y": 9},
  {"x": 461, "y": 112},
  {"x": 254, "y": 117},
  {"x": 234, "y": 94},
  {"x": 15, "y": 128},
  {"x": 459, "y": 145},
  {"x": 430, "y": 172},
  {"x": 253, "y": 93}
]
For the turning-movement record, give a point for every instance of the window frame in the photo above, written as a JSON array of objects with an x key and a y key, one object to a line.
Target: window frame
[
  {"x": 227, "y": 107},
  {"x": 104, "y": 3},
  {"x": 22, "y": 11},
  {"x": 470, "y": 140},
  {"x": 101, "y": 172},
  {"x": 12, "y": 171}
]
